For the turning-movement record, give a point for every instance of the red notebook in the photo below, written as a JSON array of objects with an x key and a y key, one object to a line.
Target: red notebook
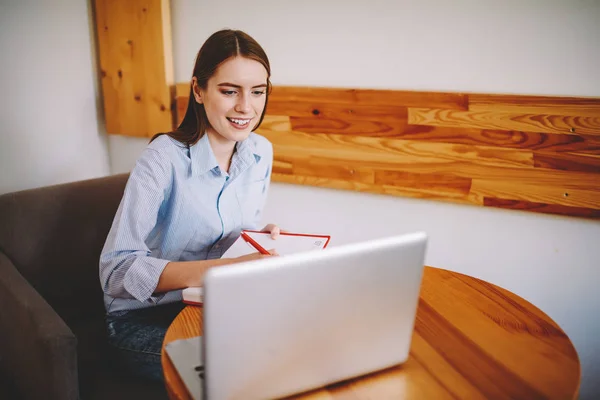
[{"x": 286, "y": 243}]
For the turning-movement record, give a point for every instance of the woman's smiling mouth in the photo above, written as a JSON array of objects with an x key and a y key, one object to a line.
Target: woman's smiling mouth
[{"x": 239, "y": 123}]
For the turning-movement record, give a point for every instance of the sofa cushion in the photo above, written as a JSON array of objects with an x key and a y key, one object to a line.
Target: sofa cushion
[
  {"x": 54, "y": 236},
  {"x": 7, "y": 388}
]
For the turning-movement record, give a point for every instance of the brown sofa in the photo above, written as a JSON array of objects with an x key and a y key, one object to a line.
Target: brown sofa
[{"x": 52, "y": 343}]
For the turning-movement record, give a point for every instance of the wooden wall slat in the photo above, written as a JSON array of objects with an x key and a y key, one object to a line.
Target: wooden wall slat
[
  {"x": 282, "y": 166},
  {"x": 541, "y": 207},
  {"x": 533, "y": 176},
  {"x": 526, "y": 153},
  {"x": 536, "y": 193},
  {"x": 567, "y": 161},
  {"x": 314, "y": 167},
  {"x": 136, "y": 66},
  {"x": 421, "y": 193},
  {"x": 568, "y": 106},
  {"x": 347, "y": 126},
  {"x": 505, "y": 121},
  {"x": 335, "y": 111},
  {"x": 552, "y": 142},
  {"x": 448, "y": 184},
  {"x": 453, "y": 101},
  {"x": 366, "y": 149}
]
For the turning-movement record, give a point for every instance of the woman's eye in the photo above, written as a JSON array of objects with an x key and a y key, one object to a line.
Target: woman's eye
[
  {"x": 258, "y": 92},
  {"x": 228, "y": 92}
]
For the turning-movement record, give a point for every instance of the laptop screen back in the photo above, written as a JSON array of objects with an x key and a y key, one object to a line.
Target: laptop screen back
[{"x": 288, "y": 324}]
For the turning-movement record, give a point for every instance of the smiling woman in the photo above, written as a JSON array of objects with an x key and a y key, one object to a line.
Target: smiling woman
[
  {"x": 233, "y": 64},
  {"x": 189, "y": 196},
  {"x": 233, "y": 101}
]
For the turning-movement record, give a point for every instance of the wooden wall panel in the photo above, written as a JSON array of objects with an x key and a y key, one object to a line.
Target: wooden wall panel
[
  {"x": 312, "y": 96},
  {"x": 136, "y": 65},
  {"x": 528, "y": 153},
  {"x": 505, "y": 121}
]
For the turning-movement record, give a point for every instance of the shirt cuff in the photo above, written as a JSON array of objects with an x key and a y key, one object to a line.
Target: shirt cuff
[{"x": 142, "y": 277}]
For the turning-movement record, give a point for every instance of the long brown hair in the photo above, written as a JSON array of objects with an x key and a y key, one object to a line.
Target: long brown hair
[{"x": 218, "y": 48}]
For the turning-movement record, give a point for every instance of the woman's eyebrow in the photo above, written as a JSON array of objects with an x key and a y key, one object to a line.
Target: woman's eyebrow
[{"x": 262, "y": 85}]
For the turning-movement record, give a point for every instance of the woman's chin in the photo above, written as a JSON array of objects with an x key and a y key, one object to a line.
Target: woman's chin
[{"x": 237, "y": 135}]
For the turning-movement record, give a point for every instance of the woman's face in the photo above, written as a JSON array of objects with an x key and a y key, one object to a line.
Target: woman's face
[{"x": 234, "y": 98}]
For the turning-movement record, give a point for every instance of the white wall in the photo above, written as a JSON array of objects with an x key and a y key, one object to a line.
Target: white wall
[
  {"x": 48, "y": 99},
  {"x": 514, "y": 46},
  {"x": 525, "y": 47}
]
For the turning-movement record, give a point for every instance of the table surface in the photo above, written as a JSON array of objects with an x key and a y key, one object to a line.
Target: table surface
[{"x": 472, "y": 340}]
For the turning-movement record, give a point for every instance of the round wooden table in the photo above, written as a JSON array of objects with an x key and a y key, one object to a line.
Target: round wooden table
[{"x": 472, "y": 340}]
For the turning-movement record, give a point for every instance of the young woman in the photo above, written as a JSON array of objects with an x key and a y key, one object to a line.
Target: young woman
[{"x": 188, "y": 197}]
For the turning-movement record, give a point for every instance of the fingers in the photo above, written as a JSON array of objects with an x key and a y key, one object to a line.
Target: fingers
[
  {"x": 275, "y": 232},
  {"x": 268, "y": 228},
  {"x": 273, "y": 229},
  {"x": 273, "y": 252}
]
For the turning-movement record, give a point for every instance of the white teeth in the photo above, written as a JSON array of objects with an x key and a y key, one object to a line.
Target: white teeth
[{"x": 240, "y": 121}]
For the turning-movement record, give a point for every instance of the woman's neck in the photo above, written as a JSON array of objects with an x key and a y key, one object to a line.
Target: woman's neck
[{"x": 222, "y": 149}]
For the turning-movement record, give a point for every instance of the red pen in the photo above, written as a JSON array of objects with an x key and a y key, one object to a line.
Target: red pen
[{"x": 254, "y": 244}]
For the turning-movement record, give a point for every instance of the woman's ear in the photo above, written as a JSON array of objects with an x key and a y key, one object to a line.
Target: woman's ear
[{"x": 196, "y": 90}]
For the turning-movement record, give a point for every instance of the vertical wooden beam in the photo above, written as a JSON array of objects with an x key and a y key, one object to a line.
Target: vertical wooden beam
[{"x": 136, "y": 65}]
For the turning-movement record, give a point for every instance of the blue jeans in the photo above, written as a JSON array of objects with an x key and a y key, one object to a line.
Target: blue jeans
[{"x": 135, "y": 338}]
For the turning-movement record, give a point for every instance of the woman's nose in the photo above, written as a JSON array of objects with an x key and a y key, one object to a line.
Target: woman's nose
[{"x": 243, "y": 104}]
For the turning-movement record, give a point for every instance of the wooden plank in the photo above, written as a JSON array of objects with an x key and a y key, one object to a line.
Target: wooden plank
[
  {"x": 338, "y": 111},
  {"x": 567, "y": 161},
  {"x": 545, "y": 194},
  {"x": 445, "y": 184},
  {"x": 275, "y": 124},
  {"x": 360, "y": 149},
  {"x": 550, "y": 142},
  {"x": 348, "y": 126},
  {"x": 369, "y": 188},
  {"x": 182, "y": 93},
  {"x": 136, "y": 65},
  {"x": 372, "y": 97},
  {"x": 382, "y": 181},
  {"x": 182, "y": 89},
  {"x": 541, "y": 207},
  {"x": 515, "y": 121},
  {"x": 530, "y": 176},
  {"x": 568, "y": 106},
  {"x": 282, "y": 167},
  {"x": 319, "y": 168}
]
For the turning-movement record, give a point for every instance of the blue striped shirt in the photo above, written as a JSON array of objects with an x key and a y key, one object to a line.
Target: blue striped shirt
[{"x": 178, "y": 205}]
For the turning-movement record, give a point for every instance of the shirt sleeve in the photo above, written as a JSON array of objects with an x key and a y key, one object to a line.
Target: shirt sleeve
[{"x": 126, "y": 268}]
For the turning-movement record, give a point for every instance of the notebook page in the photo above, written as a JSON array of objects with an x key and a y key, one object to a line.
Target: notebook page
[
  {"x": 239, "y": 248},
  {"x": 287, "y": 244}
]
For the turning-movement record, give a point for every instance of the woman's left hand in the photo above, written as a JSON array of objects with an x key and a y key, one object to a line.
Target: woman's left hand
[{"x": 273, "y": 230}]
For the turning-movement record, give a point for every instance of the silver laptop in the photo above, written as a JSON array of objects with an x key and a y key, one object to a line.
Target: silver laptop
[{"x": 285, "y": 325}]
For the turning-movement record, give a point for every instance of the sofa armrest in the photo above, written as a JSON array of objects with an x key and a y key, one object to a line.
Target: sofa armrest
[{"x": 38, "y": 349}]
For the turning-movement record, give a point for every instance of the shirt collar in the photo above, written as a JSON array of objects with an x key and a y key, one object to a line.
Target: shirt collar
[
  {"x": 203, "y": 159},
  {"x": 244, "y": 157},
  {"x": 202, "y": 156}
]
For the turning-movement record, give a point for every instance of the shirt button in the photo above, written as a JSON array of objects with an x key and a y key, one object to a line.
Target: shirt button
[{"x": 217, "y": 246}]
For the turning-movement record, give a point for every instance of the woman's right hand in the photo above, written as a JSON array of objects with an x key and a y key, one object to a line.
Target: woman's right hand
[{"x": 254, "y": 256}]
